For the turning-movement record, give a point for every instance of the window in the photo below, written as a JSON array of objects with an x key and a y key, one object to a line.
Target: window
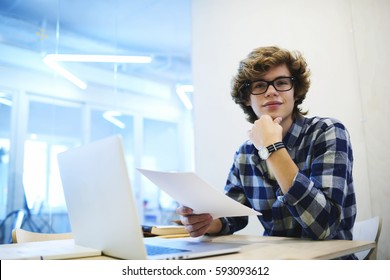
[
  {"x": 69, "y": 78},
  {"x": 5, "y": 131},
  {"x": 158, "y": 134},
  {"x": 52, "y": 128}
]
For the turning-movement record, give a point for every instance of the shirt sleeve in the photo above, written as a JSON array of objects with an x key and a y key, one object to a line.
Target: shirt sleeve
[
  {"x": 324, "y": 200},
  {"x": 234, "y": 190}
]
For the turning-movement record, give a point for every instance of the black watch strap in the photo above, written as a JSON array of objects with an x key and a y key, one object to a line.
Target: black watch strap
[{"x": 275, "y": 146}]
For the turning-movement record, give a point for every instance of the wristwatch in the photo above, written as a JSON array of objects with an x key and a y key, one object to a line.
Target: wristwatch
[{"x": 265, "y": 152}]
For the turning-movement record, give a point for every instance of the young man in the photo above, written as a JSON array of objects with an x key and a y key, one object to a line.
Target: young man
[{"x": 296, "y": 171}]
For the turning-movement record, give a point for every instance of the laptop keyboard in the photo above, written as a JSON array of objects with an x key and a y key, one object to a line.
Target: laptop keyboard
[{"x": 158, "y": 250}]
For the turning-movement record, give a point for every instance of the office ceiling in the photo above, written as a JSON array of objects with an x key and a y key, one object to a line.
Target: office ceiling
[{"x": 158, "y": 28}]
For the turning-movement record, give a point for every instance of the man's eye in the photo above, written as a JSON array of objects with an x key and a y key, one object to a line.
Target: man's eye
[
  {"x": 281, "y": 83},
  {"x": 259, "y": 85}
]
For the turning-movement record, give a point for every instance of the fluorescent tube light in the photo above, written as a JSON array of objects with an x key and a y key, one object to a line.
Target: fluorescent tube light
[
  {"x": 52, "y": 61},
  {"x": 5, "y": 101},
  {"x": 110, "y": 116},
  {"x": 64, "y": 73},
  {"x": 182, "y": 91},
  {"x": 99, "y": 58}
]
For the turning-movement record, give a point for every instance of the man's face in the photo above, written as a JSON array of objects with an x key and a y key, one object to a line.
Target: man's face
[{"x": 273, "y": 102}]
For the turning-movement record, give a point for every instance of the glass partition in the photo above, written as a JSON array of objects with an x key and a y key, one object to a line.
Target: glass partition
[
  {"x": 73, "y": 72},
  {"x": 52, "y": 127},
  {"x": 5, "y": 135}
]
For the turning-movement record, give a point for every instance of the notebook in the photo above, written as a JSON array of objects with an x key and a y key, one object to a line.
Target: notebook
[
  {"x": 46, "y": 250},
  {"x": 102, "y": 209}
]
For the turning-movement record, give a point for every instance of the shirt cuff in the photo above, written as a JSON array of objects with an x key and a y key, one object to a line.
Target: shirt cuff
[
  {"x": 225, "y": 229},
  {"x": 300, "y": 188}
]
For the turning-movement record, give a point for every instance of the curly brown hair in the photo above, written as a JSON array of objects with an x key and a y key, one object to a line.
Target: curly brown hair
[{"x": 258, "y": 63}]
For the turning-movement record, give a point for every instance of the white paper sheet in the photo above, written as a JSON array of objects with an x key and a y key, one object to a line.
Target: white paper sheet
[{"x": 190, "y": 190}]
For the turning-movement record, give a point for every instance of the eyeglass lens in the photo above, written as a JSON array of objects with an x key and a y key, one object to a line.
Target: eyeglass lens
[{"x": 280, "y": 84}]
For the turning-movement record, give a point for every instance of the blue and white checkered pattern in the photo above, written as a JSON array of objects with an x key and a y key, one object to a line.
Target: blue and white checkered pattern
[{"x": 321, "y": 202}]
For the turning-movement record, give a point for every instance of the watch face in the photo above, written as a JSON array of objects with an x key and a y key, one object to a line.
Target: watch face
[{"x": 263, "y": 153}]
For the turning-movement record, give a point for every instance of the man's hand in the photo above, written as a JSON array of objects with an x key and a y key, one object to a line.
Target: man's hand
[
  {"x": 198, "y": 224},
  {"x": 266, "y": 131}
]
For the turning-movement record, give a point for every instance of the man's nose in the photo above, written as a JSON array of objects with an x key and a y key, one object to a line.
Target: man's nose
[{"x": 271, "y": 90}]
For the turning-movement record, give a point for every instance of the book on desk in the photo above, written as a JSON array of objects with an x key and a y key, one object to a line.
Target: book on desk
[{"x": 165, "y": 231}]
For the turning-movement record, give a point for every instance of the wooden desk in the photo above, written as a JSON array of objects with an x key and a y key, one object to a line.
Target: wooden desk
[
  {"x": 253, "y": 248},
  {"x": 284, "y": 248}
]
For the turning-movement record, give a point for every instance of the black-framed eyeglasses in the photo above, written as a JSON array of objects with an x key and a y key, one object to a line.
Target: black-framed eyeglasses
[{"x": 280, "y": 84}]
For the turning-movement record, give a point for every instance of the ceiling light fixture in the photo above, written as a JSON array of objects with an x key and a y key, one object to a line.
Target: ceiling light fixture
[
  {"x": 64, "y": 73},
  {"x": 5, "y": 101},
  {"x": 52, "y": 60},
  {"x": 183, "y": 91},
  {"x": 110, "y": 116},
  {"x": 99, "y": 58}
]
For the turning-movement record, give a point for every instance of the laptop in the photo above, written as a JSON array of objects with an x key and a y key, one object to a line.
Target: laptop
[{"x": 102, "y": 209}]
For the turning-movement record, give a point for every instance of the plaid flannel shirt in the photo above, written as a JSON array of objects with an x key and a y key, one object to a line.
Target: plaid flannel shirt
[{"x": 321, "y": 202}]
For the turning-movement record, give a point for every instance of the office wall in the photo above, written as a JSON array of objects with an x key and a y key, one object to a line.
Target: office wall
[
  {"x": 344, "y": 43},
  {"x": 372, "y": 28}
]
